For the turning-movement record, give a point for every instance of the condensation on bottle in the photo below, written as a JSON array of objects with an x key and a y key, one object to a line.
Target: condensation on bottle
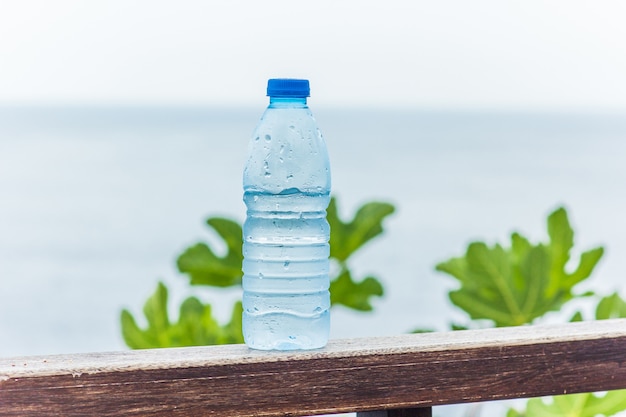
[{"x": 286, "y": 182}]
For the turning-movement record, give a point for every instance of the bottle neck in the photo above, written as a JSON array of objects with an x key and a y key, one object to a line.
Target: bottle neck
[{"x": 291, "y": 102}]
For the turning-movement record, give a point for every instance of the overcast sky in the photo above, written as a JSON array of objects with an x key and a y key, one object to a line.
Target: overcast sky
[{"x": 433, "y": 54}]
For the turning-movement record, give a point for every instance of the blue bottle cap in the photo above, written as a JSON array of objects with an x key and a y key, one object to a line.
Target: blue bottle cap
[{"x": 288, "y": 87}]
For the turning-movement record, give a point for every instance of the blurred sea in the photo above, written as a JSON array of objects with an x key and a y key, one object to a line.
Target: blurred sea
[{"x": 96, "y": 203}]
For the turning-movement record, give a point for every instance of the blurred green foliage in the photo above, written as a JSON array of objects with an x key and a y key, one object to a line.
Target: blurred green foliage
[
  {"x": 516, "y": 285},
  {"x": 574, "y": 405},
  {"x": 195, "y": 326},
  {"x": 204, "y": 267}
]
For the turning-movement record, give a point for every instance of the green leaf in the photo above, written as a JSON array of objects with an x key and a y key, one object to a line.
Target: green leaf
[
  {"x": 575, "y": 405},
  {"x": 204, "y": 267},
  {"x": 356, "y": 295},
  {"x": 132, "y": 334},
  {"x": 347, "y": 238},
  {"x": 195, "y": 326},
  {"x": 494, "y": 288},
  {"x": 420, "y": 331},
  {"x": 155, "y": 309},
  {"x": 520, "y": 246},
  {"x": 514, "y": 413},
  {"x": 611, "y": 307},
  {"x": 467, "y": 301},
  {"x": 588, "y": 261},
  {"x": 516, "y": 285},
  {"x": 578, "y": 316},
  {"x": 455, "y": 267},
  {"x": 535, "y": 271},
  {"x": 561, "y": 242}
]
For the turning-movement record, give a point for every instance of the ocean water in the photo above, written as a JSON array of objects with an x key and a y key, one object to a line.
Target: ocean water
[{"x": 96, "y": 204}]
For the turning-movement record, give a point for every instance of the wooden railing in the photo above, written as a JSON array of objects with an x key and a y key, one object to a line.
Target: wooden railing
[{"x": 390, "y": 376}]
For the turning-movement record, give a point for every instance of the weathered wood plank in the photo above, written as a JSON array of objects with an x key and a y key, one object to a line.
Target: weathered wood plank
[
  {"x": 403, "y": 412},
  {"x": 349, "y": 375}
]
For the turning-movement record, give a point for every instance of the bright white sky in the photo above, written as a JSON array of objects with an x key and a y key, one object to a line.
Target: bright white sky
[{"x": 436, "y": 54}]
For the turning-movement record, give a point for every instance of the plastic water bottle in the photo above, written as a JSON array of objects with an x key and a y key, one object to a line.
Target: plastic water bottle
[{"x": 286, "y": 185}]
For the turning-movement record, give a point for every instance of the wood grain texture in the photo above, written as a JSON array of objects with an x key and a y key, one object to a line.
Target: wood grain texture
[
  {"x": 370, "y": 374},
  {"x": 403, "y": 412}
]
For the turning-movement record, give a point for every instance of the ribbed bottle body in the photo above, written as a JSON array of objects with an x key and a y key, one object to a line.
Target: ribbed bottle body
[{"x": 286, "y": 300}]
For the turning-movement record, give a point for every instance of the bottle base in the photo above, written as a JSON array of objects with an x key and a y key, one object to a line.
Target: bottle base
[{"x": 284, "y": 332}]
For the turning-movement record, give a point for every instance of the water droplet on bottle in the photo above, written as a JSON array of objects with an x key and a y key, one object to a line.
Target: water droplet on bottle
[
  {"x": 268, "y": 138},
  {"x": 257, "y": 138},
  {"x": 292, "y": 127},
  {"x": 281, "y": 160},
  {"x": 261, "y": 276},
  {"x": 282, "y": 149},
  {"x": 286, "y": 264},
  {"x": 289, "y": 177}
]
